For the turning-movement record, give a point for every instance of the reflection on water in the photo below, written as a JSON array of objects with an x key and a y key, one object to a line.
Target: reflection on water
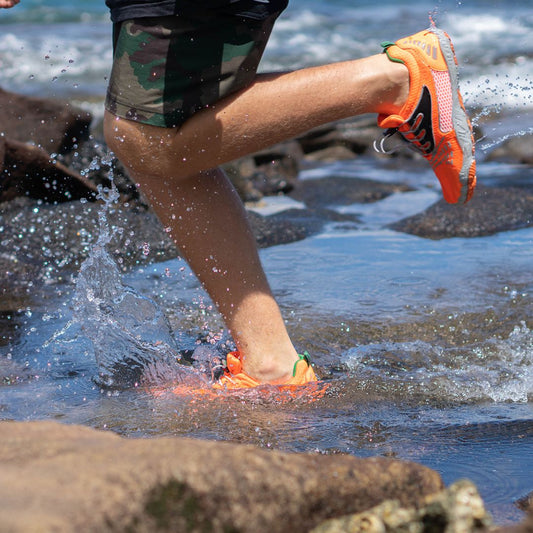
[{"x": 427, "y": 347}]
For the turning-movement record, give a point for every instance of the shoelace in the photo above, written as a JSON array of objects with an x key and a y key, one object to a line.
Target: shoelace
[
  {"x": 379, "y": 144},
  {"x": 409, "y": 138},
  {"x": 403, "y": 142},
  {"x": 441, "y": 153}
]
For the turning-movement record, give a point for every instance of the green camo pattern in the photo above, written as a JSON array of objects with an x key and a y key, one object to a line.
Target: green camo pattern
[{"x": 165, "y": 69}]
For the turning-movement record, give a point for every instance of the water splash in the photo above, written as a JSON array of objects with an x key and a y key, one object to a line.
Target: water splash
[
  {"x": 132, "y": 339},
  {"x": 503, "y": 138}
]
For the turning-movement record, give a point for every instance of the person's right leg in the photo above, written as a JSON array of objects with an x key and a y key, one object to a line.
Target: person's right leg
[
  {"x": 273, "y": 108},
  {"x": 172, "y": 165}
]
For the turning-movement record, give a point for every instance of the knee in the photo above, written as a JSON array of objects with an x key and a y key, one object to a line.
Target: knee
[{"x": 142, "y": 151}]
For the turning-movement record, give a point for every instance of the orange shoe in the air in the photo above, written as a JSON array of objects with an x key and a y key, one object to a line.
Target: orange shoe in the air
[
  {"x": 434, "y": 120},
  {"x": 235, "y": 378}
]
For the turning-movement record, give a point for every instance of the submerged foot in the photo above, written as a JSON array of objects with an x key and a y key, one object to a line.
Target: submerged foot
[{"x": 234, "y": 376}]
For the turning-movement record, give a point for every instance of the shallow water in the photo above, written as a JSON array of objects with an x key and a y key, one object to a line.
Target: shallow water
[{"x": 427, "y": 347}]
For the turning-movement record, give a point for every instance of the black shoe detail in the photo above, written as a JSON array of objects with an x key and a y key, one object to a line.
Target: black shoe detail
[{"x": 420, "y": 125}]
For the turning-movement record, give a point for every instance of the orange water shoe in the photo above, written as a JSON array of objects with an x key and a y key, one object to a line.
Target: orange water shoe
[
  {"x": 434, "y": 120},
  {"x": 235, "y": 378}
]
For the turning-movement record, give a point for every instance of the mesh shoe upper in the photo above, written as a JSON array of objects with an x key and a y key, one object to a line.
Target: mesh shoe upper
[{"x": 433, "y": 120}]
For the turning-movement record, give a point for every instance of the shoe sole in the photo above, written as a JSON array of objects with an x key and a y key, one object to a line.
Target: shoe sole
[{"x": 461, "y": 123}]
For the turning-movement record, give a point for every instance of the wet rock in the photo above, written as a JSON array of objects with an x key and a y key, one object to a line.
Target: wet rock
[
  {"x": 294, "y": 225},
  {"x": 266, "y": 173},
  {"x": 458, "y": 509},
  {"x": 274, "y": 170},
  {"x": 526, "y": 503},
  {"x": 44, "y": 242},
  {"x": 355, "y": 134},
  {"x": 26, "y": 170},
  {"x": 271, "y": 232},
  {"x": 30, "y": 130},
  {"x": 337, "y": 191},
  {"x": 55, "y": 126},
  {"x": 490, "y": 211},
  {"x": 72, "y": 478},
  {"x": 331, "y": 154}
]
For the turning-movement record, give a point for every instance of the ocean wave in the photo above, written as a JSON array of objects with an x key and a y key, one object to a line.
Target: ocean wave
[
  {"x": 71, "y": 53},
  {"x": 38, "y": 12},
  {"x": 54, "y": 62}
]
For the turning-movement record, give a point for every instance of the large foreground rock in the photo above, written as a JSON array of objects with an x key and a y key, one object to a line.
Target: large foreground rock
[{"x": 72, "y": 478}]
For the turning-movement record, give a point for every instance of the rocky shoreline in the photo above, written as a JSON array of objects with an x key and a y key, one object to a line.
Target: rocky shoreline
[
  {"x": 72, "y": 478},
  {"x": 51, "y": 166}
]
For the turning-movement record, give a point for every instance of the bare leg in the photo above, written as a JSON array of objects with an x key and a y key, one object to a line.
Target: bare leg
[
  {"x": 274, "y": 108},
  {"x": 207, "y": 221}
]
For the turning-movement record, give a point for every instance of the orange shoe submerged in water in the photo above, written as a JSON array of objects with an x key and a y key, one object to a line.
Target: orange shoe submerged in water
[
  {"x": 302, "y": 385},
  {"x": 235, "y": 378},
  {"x": 434, "y": 120}
]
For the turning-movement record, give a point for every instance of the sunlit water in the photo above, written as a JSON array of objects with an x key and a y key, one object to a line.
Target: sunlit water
[{"x": 427, "y": 345}]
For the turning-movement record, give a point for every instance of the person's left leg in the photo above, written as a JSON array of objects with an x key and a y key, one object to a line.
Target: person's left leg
[
  {"x": 205, "y": 216},
  {"x": 209, "y": 225}
]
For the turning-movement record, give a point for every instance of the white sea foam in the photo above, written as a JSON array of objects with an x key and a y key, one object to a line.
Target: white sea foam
[
  {"x": 478, "y": 28},
  {"x": 493, "y": 46},
  {"x": 500, "y": 370},
  {"x": 49, "y": 63}
]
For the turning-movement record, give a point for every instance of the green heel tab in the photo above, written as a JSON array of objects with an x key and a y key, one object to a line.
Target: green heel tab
[
  {"x": 301, "y": 357},
  {"x": 386, "y": 45}
]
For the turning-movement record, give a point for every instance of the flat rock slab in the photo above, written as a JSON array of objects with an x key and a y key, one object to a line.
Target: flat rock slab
[
  {"x": 43, "y": 241},
  {"x": 293, "y": 225},
  {"x": 338, "y": 190},
  {"x": 72, "y": 478},
  {"x": 490, "y": 211}
]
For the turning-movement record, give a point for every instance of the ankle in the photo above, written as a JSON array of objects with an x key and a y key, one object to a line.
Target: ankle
[
  {"x": 395, "y": 87},
  {"x": 274, "y": 369}
]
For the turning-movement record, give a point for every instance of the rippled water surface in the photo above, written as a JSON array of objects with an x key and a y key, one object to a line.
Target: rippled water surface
[{"x": 427, "y": 347}]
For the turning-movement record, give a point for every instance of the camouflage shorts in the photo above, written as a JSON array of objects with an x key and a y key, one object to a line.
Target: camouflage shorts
[{"x": 165, "y": 69}]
